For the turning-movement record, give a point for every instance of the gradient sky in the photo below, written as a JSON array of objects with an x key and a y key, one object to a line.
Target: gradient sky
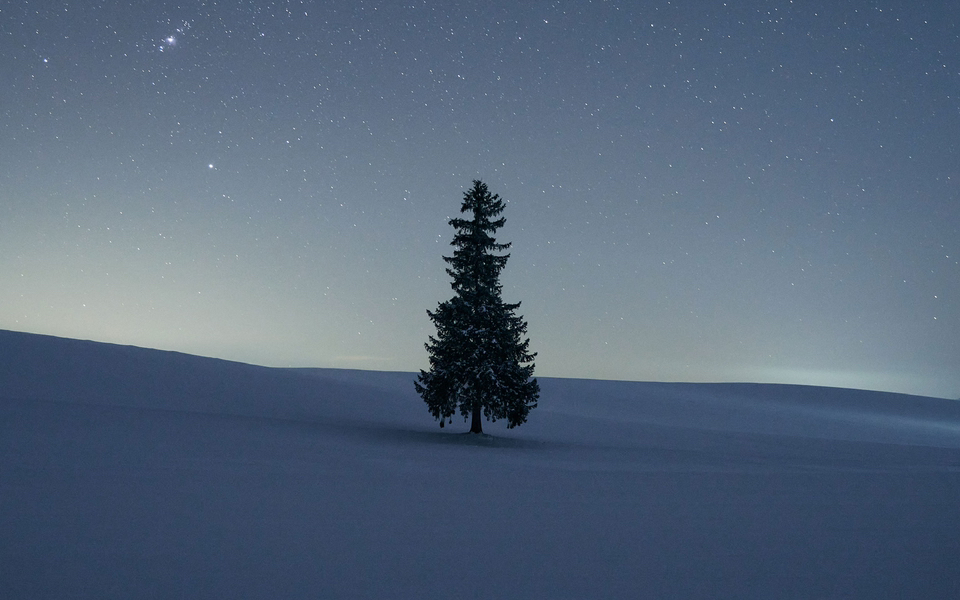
[{"x": 697, "y": 191}]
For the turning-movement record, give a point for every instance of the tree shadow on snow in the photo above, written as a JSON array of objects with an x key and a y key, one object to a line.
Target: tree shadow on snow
[{"x": 399, "y": 435}]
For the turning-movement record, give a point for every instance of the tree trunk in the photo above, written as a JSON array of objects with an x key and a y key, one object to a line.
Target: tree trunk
[{"x": 475, "y": 425}]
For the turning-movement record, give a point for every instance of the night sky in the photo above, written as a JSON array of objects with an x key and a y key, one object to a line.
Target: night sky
[{"x": 696, "y": 191}]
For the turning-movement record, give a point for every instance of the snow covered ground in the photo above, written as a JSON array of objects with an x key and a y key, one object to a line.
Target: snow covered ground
[{"x": 132, "y": 473}]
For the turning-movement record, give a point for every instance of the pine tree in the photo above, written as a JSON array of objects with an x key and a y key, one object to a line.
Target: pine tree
[{"x": 480, "y": 362}]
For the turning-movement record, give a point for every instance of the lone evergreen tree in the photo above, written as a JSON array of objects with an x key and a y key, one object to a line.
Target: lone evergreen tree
[{"x": 479, "y": 359}]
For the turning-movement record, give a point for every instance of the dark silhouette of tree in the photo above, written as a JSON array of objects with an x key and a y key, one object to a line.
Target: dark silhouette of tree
[{"x": 479, "y": 360}]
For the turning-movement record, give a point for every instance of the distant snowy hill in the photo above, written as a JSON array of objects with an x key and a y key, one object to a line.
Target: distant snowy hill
[{"x": 127, "y": 472}]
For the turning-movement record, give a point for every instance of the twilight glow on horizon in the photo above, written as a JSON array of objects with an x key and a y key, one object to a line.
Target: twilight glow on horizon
[{"x": 758, "y": 191}]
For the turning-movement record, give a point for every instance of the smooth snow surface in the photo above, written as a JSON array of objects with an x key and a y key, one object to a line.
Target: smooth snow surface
[{"x": 132, "y": 473}]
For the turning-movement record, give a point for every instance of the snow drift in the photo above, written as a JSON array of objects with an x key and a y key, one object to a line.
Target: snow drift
[{"x": 127, "y": 472}]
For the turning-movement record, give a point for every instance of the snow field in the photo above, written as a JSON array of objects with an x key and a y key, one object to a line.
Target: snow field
[{"x": 128, "y": 473}]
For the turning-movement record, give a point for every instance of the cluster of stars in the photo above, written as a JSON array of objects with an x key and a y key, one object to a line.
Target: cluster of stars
[{"x": 170, "y": 42}]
